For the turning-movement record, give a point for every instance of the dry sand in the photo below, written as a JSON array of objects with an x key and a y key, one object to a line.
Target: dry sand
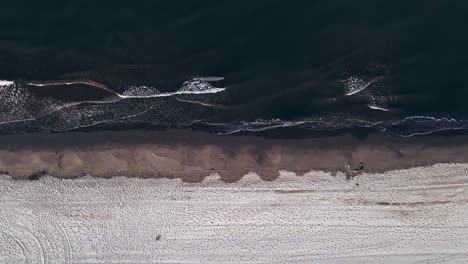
[
  {"x": 416, "y": 215},
  {"x": 192, "y": 156}
]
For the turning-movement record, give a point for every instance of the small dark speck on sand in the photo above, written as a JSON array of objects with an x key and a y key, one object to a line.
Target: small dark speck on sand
[{"x": 36, "y": 176}]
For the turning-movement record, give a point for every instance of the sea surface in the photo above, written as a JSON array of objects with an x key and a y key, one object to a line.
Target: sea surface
[{"x": 230, "y": 67}]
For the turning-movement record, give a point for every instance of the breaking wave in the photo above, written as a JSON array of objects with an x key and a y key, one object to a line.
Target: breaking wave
[
  {"x": 194, "y": 86},
  {"x": 354, "y": 84},
  {"x": 142, "y": 91},
  {"x": 194, "y": 104},
  {"x": 22, "y": 111},
  {"x": 369, "y": 87},
  {"x": 6, "y": 83}
]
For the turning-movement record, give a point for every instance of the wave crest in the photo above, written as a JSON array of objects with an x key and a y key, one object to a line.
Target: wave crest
[
  {"x": 198, "y": 86},
  {"x": 141, "y": 91}
]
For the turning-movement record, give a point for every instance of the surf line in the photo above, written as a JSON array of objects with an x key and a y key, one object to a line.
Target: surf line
[
  {"x": 378, "y": 108},
  {"x": 73, "y": 82},
  {"x": 202, "y": 103}
]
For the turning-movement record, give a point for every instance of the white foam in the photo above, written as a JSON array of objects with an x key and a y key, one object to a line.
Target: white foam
[
  {"x": 198, "y": 86},
  {"x": 6, "y": 83},
  {"x": 194, "y": 86},
  {"x": 354, "y": 84},
  {"x": 430, "y": 125},
  {"x": 263, "y": 125},
  {"x": 141, "y": 91},
  {"x": 378, "y": 108}
]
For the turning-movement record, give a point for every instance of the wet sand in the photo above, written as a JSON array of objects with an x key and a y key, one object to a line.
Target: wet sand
[{"x": 192, "y": 155}]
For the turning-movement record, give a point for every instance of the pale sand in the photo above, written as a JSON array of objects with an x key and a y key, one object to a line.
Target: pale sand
[
  {"x": 192, "y": 156},
  {"x": 417, "y": 215}
]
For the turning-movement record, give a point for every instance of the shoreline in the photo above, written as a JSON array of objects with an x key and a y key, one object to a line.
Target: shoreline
[{"x": 193, "y": 155}]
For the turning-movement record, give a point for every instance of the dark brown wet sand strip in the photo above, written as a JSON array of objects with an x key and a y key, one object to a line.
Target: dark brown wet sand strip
[{"x": 192, "y": 156}]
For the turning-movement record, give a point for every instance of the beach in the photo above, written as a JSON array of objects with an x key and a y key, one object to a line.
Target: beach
[
  {"x": 178, "y": 196},
  {"x": 193, "y": 155},
  {"x": 269, "y": 132},
  {"x": 415, "y": 215}
]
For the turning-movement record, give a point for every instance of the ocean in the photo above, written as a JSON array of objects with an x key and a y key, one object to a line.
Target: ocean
[{"x": 232, "y": 67}]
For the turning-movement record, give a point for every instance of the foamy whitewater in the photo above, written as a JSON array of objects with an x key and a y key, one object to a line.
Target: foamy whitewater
[
  {"x": 197, "y": 102},
  {"x": 406, "y": 216},
  {"x": 195, "y": 86}
]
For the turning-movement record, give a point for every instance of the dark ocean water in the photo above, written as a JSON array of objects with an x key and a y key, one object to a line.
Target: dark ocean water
[{"x": 232, "y": 66}]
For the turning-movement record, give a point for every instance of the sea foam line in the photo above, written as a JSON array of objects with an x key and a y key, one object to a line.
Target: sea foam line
[
  {"x": 378, "y": 108},
  {"x": 188, "y": 88},
  {"x": 6, "y": 83}
]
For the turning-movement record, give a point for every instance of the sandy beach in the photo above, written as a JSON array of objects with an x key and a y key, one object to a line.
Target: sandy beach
[
  {"x": 414, "y": 215},
  {"x": 191, "y": 155}
]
